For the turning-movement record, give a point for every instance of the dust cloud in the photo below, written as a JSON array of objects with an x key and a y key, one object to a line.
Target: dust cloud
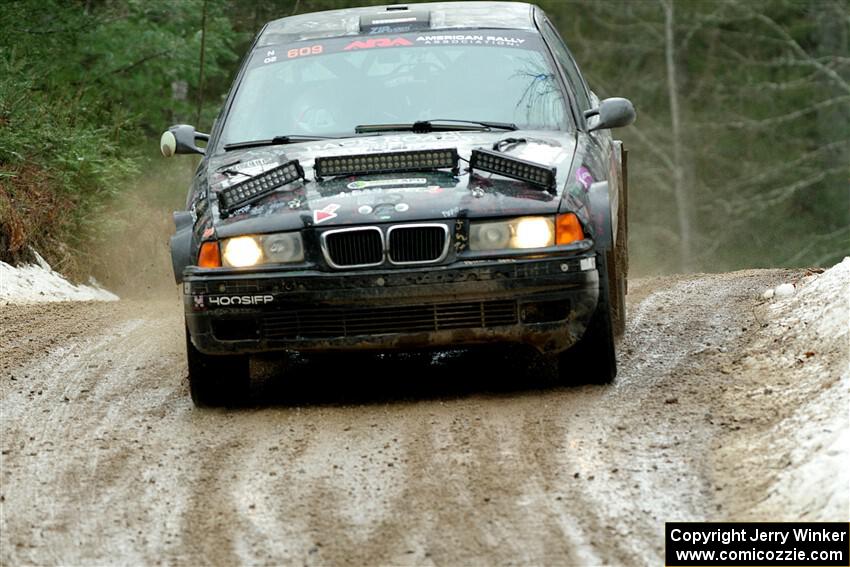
[{"x": 132, "y": 257}]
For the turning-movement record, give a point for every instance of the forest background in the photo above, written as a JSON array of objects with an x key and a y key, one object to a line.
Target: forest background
[{"x": 740, "y": 156}]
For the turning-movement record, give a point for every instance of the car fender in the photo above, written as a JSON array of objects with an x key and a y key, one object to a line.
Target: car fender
[{"x": 181, "y": 244}]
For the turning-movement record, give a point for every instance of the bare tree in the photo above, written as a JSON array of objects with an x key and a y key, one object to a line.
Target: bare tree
[{"x": 683, "y": 204}]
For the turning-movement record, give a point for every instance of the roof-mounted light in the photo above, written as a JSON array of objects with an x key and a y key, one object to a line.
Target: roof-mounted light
[
  {"x": 396, "y": 19},
  {"x": 259, "y": 186},
  {"x": 515, "y": 168},
  {"x": 392, "y": 162}
]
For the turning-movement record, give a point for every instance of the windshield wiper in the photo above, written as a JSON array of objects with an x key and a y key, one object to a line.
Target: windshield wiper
[
  {"x": 436, "y": 125},
  {"x": 277, "y": 140}
]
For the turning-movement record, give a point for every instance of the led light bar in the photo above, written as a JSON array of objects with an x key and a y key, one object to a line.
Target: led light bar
[
  {"x": 515, "y": 168},
  {"x": 391, "y": 162},
  {"x": 259, "y": 186}
]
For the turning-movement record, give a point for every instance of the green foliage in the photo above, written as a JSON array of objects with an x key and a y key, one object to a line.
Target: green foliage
[
  {"x": 83, "y": 86},
  {"x": 58, "y": 171}
]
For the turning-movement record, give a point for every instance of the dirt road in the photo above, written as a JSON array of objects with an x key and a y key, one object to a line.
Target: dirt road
[{"x": 452, "y": 459}]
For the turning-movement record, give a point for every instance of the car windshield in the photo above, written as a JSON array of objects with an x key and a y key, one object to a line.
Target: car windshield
[{"x": 329, "y": 87}]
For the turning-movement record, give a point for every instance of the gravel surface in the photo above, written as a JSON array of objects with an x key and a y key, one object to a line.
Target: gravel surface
[{"x": 455, "y": 458}]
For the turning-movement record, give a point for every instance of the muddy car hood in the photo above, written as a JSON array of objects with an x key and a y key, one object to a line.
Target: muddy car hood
[{"x": 396, "y": 197}]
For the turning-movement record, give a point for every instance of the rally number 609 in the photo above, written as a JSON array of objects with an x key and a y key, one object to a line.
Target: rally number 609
[{"x": 301, "y": 52}]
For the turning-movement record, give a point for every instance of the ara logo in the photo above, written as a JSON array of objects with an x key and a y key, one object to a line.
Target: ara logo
[
  {"x": 228, "y": 300},
  {"x": 377, "y": 42}
]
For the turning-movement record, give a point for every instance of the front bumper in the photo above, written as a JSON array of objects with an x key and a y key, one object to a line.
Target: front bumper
[{"x": 544, "y": 303}]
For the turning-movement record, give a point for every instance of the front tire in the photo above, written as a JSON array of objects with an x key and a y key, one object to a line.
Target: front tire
[
  {"x": 216, "y": 380},
  {"x": 592, "y": 360}
]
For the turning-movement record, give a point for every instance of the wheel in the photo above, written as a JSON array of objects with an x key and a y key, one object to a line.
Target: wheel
[
  {"x": 617, "y": 291},
  {"x": 593, "y": 358},
  {"x": 216, "y": 380}
]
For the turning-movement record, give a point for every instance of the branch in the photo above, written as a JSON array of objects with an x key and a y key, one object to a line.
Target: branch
[
  {"x": 757, "y": 204},
  {"x": 132, "y": 65},
  {"x": 774, "y": 120},
  {"x": 796, "y": 48},
  {"x": 88, "y": 25},
  {"x": 657, "y": 151},
  {"x": 814, "y": 239},
  {"x": 766, "y": 173}
]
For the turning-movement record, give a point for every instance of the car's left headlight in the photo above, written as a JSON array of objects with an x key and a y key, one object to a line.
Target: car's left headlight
[
  {"x": 279, "y": 248},
  {"x": 521, "y": 232}
]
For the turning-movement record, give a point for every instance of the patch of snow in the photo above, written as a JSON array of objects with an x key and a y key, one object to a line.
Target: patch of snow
[
  {"x": 38, "y": 283},
  {"x": 784, "y": 290},
  {"x": 822, "y": 304},
  {"x": 816, "y": 436}
]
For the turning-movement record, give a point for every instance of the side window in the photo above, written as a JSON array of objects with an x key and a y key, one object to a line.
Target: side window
[{"x": 565, "y": 60}]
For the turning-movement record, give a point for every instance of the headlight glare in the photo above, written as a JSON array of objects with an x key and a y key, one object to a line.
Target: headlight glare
[
  {"x": 278, "y": 248},
  {"x": 533, "y": 232},
  {"x": 241, "y": 252},
  {"x": 522, "y": 232}
]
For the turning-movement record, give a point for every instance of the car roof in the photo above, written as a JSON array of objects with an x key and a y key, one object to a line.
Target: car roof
[{"x": 443, "y": 15}]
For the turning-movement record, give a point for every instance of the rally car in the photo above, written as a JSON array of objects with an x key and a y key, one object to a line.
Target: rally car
[{"x": 401, "y": 178}]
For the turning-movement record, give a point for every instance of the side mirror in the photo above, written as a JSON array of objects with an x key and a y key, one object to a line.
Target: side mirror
[
  {"x": 180, "y": 139},
  {"x": 613, "y": 113}
]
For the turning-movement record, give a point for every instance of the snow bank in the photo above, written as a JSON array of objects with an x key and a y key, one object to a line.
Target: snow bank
[
  {"x": 820, "y": 304},
  {"x": 812, "y": 329},
  {"x": 38, "y": 283}
]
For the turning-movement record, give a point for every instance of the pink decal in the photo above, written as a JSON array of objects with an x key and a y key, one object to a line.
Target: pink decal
[
  {"x": 584, "y": 177},
  {"x": 328, "y": 213},
  {"x": 378, "y": 42}
]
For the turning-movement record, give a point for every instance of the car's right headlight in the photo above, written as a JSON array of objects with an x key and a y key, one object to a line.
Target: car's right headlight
[
  {"x": 245, "y": 251},
  {"x": 524, "y": 232},
  {"x": 521, "y": 232}
]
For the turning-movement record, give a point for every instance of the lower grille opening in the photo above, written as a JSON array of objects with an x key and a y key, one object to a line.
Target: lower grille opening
[
  {"x": 545, "y": 311},
  {"x": 235, "y": 329},
  {"x": 327, "y": 322}
]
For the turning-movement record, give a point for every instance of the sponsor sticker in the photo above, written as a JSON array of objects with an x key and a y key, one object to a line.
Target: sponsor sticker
[
  {"x": 402, "y": 207},
  {"x": 325, "y": 214},
  {"x": 384, "y": 211},
  {"x": 385, "y": 194},
  {"x": 393, "y": 21},
  {"x": 377, "y": 42},
  {"x": 587, "y": 264},
  {"x": 387, "y": 182},
  {"x": 228, "y": 300},
  {"x": 584, "y": 177},
  {"x": 469, "y": 39}
]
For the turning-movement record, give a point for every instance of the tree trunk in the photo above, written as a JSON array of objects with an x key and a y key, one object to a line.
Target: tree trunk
[
  {"x": 683, "y": 205},
  {"x": 201, "y": 65}
]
